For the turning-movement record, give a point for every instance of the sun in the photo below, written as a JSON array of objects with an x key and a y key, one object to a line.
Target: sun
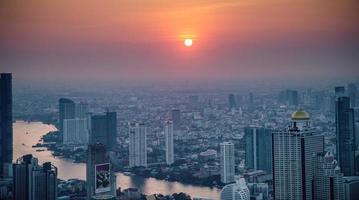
[{"x": 188, "y": 42}]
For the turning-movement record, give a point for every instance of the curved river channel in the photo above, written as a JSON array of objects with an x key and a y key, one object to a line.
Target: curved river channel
[{"x": 28, "y": 134}]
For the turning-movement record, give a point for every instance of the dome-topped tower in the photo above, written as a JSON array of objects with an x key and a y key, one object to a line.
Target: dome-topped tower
[
  {"x": 300, "y": 120},
  {"x": 300, "y": 115}
]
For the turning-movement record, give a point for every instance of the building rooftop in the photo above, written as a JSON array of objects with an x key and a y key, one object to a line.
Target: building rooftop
[{"x": 300, "y": 115}]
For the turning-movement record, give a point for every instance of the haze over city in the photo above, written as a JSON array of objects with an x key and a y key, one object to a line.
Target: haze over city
[{"x": 179, "y": 100}]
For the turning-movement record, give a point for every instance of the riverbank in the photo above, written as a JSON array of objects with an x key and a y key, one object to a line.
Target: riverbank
[
  {"x": 175, "y": 172},
  {"x": 28, "y": 134}
]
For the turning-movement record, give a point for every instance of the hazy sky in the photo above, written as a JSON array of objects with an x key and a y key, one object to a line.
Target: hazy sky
[{"x": 143, "y": 39}]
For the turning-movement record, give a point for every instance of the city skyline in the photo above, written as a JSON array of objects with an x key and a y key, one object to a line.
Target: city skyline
[
  {"x": 179, "y": 100},
  {"x": 220, "y": 138}
]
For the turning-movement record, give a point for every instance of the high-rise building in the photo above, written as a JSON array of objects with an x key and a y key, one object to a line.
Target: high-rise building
[
  {"x": 227, "y": 162},
  {"x": 193, "y": 103},
  {"x": 104, "y": 130},
  {"x": 259, "y": 190},
  {"x": 81, "y": 109},
  {"x": 356, "y": 123},
  {"x": 6, "y": 137},
  {"x": 73, "y": 121},
  {"x": 251, "y": 100},
  {"x": 293, "y": 150},
  {"x": 34, "y": 182},
  {"x": 351, "y": 187},
  {"x": 169, "y": 142},
  {"x": 75, "y": 131},
  {"x": 99, "y": 176},
  {"x": 176, "y": 119},
  {"x": 352, "y": 93},
  {"x": 258, "y": 148},
  {"x": 345, "y": 131},
  {"x": 66, "y": 111},
  {"x": 327, "y": 178},
  {"x": 339, "y": 91},
  {"x": 138, "y": 145},
  {"x": 88, "y": 122},
  {"x": 236, "y": 191},
  {"x": 292, "y": 97},
  {"x": 289, "y": 97},
  {"x": 231, "y": 101}
]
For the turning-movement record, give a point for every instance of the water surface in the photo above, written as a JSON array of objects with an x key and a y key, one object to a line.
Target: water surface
[{"x": 28, "y": 134}]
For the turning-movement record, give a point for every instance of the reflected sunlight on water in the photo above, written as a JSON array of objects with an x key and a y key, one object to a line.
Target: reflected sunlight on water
[{"x": 28, "y": 134}]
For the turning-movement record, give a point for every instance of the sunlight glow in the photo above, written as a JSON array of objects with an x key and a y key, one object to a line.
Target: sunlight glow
[{"x": 188, "y": 42}]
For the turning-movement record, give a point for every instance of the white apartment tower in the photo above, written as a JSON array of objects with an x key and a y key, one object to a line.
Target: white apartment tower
[
  {"x": 227, "y": 162},
  {"x": 169, "y": 142},
  {"x": 75, "y": 131},
  {"x": 138, "y": 145}
]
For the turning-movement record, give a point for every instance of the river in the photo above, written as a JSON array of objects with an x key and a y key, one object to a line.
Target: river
[{"x": 28, "y": 134}]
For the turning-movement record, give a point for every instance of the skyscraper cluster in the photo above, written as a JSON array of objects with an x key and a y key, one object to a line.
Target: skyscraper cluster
[
  {"x": 293, "y": 150},
  {"x": 33, "y": 181},
  {"x": 295, "y": 154},
  {"x": 301, "y": 167}
]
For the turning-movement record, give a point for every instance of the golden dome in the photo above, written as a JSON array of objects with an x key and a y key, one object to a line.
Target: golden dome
[{"x": 300, "y": 115}]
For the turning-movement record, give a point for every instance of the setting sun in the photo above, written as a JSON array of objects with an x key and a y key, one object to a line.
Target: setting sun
[{"x": 188, "y": 42}]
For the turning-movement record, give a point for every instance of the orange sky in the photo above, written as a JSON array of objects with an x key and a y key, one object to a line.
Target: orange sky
[{"x": 140, "y": 37}]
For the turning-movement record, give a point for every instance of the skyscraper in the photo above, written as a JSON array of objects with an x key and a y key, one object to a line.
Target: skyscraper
[
  {"x": 339, "y": 91},
  {"x": 251, "y": 100},
  {"x": 231, "y": 101},
  {"x": 34, "y": 182},
  {"x": 104, "y": 130},
  {"x": 327, "y": 178},
  {"x": 99, "y": 175},
  {"x": 81, "y": 109},
  {"x": 176, "y": 119},
  {"x": 345, "y": 131},
  {"x": 293, "y": 150},
  {"x": 352, "y": 93},
  {"x": 351, "y": 187},
  {"x": 6, "y": 151},
  {"x": 236, "y": 191},
  {"x": 66, "y": 111},
  {"x": 138, "y": 145},
  {"x": 227, "y": 162},
  {"x": 72, "y": 121},
  {"x": 292, "y": 97},
  {"x": 75, "y": 131},
  {"x": 169, "y": 142},
  {"x": 258, "y": 148}
]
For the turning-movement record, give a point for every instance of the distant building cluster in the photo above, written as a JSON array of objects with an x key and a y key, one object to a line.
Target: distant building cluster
[{"x": 252, "y": 147}]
